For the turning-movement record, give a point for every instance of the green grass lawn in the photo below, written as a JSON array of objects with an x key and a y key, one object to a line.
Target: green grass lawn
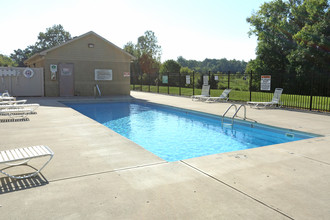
[{"x": 319, "y": 103}]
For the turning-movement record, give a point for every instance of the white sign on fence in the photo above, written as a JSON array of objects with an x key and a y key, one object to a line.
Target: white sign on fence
[
  {"x": 28, "y": 73},
  {"x": 165, "y": 79},
  {"x": 187, "y": 79},
  {"x": 265, "y": 82}
]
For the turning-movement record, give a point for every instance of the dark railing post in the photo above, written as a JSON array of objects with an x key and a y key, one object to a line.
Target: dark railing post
[
  {"x": 149, "y": 81},
  {"x": 133, "y": 81},
  {"x": 311, "y": 94},
  {"x": 251, "y": 85},
  {"x": 141, "y": 80},
  {"x": 209, "y": 82},
  {"x": 179, "y": 84},
  {"x": 193, "y": 82},
  {"x": 228, "y": 80},
  {"x": 158, "y": 81},
  {"x": 168, "y": 83}
]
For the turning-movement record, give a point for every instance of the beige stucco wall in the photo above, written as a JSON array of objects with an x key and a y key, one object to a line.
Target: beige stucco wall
[
  {"x": 84, "y": 78},
  {"x": 104, "y": 55}
]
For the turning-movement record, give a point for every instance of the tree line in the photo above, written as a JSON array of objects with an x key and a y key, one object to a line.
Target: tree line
[{"x": 148, "y": 54}]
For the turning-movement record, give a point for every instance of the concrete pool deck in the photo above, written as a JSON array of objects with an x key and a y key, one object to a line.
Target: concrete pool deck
[{"x": 98, "y": 174}]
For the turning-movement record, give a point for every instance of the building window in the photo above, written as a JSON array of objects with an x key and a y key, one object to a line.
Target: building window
[{"x": 90, "y": 45}]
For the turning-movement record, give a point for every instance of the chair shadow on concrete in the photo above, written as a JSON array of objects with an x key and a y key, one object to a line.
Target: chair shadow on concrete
[
  {"x": 8, "y": 185},
  {"x": 14, "y": 120}
]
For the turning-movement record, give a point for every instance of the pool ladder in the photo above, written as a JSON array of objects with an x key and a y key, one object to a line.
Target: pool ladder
[
  {"x": 97, "y": 89},
  {"x": 235, "y": 114}
]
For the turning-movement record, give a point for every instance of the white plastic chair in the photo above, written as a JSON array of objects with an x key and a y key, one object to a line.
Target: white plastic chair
[
  {"x": 205, "y": 93},
  {"x": 222, "y": 97},
  {"x": 275, "y": 100}
]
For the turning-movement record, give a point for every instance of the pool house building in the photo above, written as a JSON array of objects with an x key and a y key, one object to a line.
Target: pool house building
[{"x": 83, "y": 66}]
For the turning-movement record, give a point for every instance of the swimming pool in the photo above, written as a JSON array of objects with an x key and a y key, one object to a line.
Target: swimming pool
[{"x": 175, "y": 134}]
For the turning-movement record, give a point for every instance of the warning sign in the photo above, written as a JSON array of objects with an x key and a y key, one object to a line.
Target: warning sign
[
  {"x": 188, "y": 79},
  {"x": 265, "y": 82},
  {"x": 165, "y": 79}
]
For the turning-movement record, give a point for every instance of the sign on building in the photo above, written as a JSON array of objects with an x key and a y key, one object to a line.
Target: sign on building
[
  {"x": 265, "y": 82},
  {"x": 103, "y": 74},
  {"x": 53, "y": 70},
  {"x": 127, "y": 74}
]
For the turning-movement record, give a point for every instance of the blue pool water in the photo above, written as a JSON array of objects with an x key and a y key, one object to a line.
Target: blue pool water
[{"x": 176, "y": 134}]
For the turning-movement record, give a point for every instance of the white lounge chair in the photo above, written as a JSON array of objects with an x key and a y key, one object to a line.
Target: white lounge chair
[
  {"x": 275, "y": 100},
  {"x": 13, "y": 102},
  {"x": 222, "y": 97},
  {"x": 19, "y": 156},
  {"x": 18, "y": 110},
  {"x": 6, "y": 97},
  {"x": 20, "y": 106},
  {"x": 205, "y": 93}
]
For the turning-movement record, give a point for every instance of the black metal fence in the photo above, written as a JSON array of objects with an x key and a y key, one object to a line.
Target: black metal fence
[{"x": 310, "y": 91}]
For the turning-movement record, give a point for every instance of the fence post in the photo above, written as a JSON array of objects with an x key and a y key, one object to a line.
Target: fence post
[
  {"x": 149, "y": 82},
  {"x": 133, "y": 81},
  {"x": 168, "y": 83},
  {"x": 141, "y": 80},
  {"x": 179, "y": 84},
  {"x": 250, "y": 86},
  {"x": 193, "y": 82},
  {"x": 228, "y": 80},
  {"x": 311, "y": 99},
  {"x": 158, "y": 82},
  {"x": 209, "y": 82}
]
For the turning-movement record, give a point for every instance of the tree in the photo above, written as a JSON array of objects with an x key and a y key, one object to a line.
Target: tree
[
  {"x": 147, "y": 44},
  {"x": 170, "y": 66},
  {"x": 19, "y": 56},
  {"x": 313, "y": 39},
  {"x": 186, "y": 70},
  {"x": 293, "y": 39},
  {"x": 54, "y": 36},
  {"x": 6, "y": 61},
  {"x": 131, "y": 48},
  {"x": 147, "y": 52},
  {"x": 213, "y": 65}
]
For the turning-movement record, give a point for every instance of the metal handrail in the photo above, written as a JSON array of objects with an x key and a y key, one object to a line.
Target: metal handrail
[
  {"x": 98, "y": 90},
  {"x": 227, "y": 111},
  {"x": 235, "y": 114},
  {"x": 232, "y": 119}
]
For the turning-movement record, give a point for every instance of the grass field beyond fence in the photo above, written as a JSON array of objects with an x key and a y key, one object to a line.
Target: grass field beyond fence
[{"x": 319, "y": 103}]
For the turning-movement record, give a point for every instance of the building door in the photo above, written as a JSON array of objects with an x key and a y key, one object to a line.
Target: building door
[{"x": 66, "y": 79}]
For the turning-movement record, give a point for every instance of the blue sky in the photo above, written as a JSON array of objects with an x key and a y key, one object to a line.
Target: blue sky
[{"x": 194, "y": 29}]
